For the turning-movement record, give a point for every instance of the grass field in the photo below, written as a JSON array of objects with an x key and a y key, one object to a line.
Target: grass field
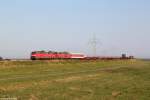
[{"x": 75, "y": 80}]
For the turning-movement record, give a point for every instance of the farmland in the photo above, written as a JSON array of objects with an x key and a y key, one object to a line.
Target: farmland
[{"x": 75, "y": 80}]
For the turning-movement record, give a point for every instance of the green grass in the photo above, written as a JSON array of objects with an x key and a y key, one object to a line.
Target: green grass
[{"x": 75, "y": 80}]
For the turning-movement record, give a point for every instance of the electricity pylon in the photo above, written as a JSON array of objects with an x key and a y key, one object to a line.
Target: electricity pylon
[{"x": 94, "y": 42}]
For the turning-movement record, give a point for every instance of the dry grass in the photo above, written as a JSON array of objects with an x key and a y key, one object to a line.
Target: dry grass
[{"x": 112, "y": 80}]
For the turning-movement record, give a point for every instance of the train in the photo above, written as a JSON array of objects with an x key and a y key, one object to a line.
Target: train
[
  {"x": 43, "y": 55},
  {"x": 52, "y": 55}
]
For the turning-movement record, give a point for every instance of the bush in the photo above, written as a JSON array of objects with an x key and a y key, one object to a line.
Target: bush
[{"x": 1, "y": 58}]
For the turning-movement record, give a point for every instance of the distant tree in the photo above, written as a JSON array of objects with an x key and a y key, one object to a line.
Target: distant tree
[
  {"x": 1, "y": 58},
  {"x": 65, "y": 52},
  {"x": 124, "y": 56},
  {"x": 49, "y": 52},
  {"x": 55, "y": 52},
  {"x": 42, "y": 51}
]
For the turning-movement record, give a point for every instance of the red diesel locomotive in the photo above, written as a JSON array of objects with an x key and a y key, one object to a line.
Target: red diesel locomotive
[{"x": 42, "y": 55}]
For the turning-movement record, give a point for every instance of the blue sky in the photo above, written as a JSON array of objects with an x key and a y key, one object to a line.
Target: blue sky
[{"x": 121, "y": 26}]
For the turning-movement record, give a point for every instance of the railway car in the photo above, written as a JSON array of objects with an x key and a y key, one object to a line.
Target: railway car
[{"x": 42, "y": 55}]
